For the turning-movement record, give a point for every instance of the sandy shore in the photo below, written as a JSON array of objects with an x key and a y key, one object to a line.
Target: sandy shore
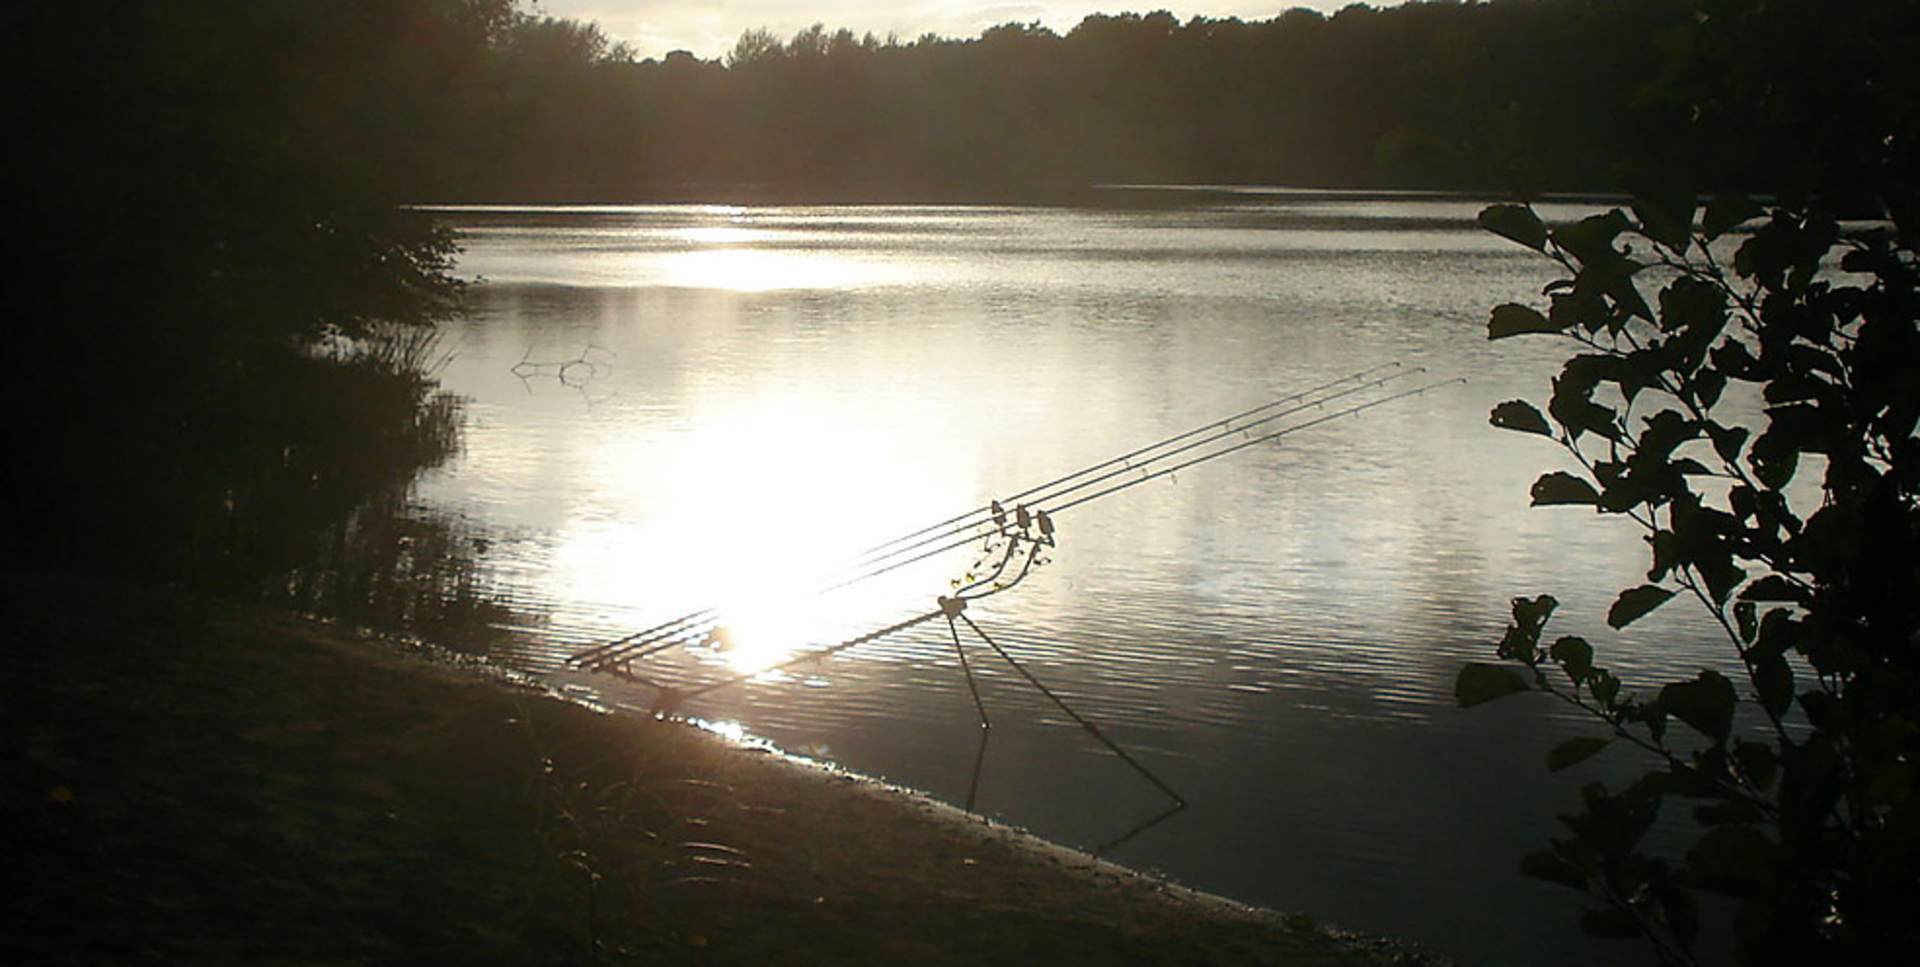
[{"x": 206, "y": 782}]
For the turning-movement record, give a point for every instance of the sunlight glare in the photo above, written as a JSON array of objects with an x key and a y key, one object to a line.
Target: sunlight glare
[
  {"x": 764, "y": 625},
  {"x": 721, "y": 235},
  {"x": 771, "y": 500},
  {"x": 760, "y": 270},
  {"x": 729, "y": 730}
]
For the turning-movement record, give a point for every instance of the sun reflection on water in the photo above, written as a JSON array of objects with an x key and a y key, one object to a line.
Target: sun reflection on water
[
  {"x": 746, "y": 269},
  {"x": 763, "y": 627},
  {"x": 767, "y": 502},
  {"x": 721, "y": 235}
]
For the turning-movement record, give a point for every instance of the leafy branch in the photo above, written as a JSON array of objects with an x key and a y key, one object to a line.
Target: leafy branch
[{"x": 1792, "y": 788}]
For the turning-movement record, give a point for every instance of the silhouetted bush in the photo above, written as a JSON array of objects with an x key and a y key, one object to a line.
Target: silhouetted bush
[{"x": 1768, "y": 352}]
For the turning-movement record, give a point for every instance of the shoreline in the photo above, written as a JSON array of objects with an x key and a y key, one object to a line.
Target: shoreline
[
  {"x": 1122, "y": 196},
  {"x": 203, "y": 780}
]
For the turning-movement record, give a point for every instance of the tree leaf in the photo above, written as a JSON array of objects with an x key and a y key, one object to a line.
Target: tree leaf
[
  {"x": 1706, "y": 385},
  {"x": 1666, "y": 214},
  {"x": 1517, "y": 223},
  {"x": 1821, "y": 707},
  {"x": 1577, "y": 310},
  {"x": 1706, "y": 703},
  {"x": 1532, "y": 613},
  {"x": 1773, "y": 682},
  {"x": 1779, "y": 633},
  {"x": 1605, "y": 687},
  {"x": 1733, "y": 860},
  {"x": 1575, "y": 655},
  {"x": 1591, "y": 239},
  {"x": 1627, "y": 295},
  {"x": 1634, "y": 603},
  {"x": 1514, "y": 319},
  {"x": 1665, "y": 431},
  {"x": 1638, "y": 370},
  {"x": 1727, "y": 441},
  {"x": 1572, "y": 402},
  {"x": 1574, "y": 751},
  {"x": 1522, "y": 416},
  {"x": 1725, "y": 213},
  {"x": 1559, "y": 487},
  {"x": 1732, "y": 358},
  {"x": 1479, "y": 683},
  {"x": 1773, "y": 587},
  {"x": 1522, "y": 640},
  {"x": 1773, "y": 459},
  {"x": 1696, "y": 312},
  {"x": 1721, "y": 575}
]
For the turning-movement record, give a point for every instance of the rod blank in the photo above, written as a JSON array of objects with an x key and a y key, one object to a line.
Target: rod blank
[{"x": 958, "y": 531}]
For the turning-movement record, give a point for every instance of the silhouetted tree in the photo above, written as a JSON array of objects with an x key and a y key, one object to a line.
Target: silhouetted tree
[
  {"x": 1424, "y": 94},
  {"x": 1769, "y": 353},
  {"x": 213, "y": 194}
]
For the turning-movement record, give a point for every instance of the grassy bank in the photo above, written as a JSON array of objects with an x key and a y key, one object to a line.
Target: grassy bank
[{"x": 192, "y": 781}]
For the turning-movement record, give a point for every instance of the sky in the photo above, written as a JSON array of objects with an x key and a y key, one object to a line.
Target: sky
[{"x": 708, "y": 28}]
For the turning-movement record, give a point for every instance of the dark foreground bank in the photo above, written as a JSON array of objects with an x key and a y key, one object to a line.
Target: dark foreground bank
[{"x": 190, "y": 781}]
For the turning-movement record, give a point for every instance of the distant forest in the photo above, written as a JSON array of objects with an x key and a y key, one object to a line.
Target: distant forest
[
  {"x": 481, "y": 100},
  {"x": 1428, "y": 94},
  {"x": 1510, "y": 95}
]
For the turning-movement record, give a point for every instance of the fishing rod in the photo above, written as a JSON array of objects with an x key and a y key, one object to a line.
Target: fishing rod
[
  {"x": 677, "y": 631},
  {"x": 948, "y": 605},
  {"x": 692, "y": 624},
  {"x": 1129, "y": 467},
  {"x": 1125, "y": 457},
  {"x": 1255, "y": 441},
  {"x": 970, "y": 538},
  {"x": 698, "y": 623}
]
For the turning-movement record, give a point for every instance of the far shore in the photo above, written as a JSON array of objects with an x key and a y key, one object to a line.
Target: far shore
[
  {"x": 1127, "y": 196},
  {"x": 194, "y": 780}
]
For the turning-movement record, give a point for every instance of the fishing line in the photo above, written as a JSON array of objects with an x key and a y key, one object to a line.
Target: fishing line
[
  {"x": 1147, "y": 475},
  {"x": 1130, "y": 466},
  {"x": 695, "y": 624},
  {"x": 1126, "y": 457},
  {"x": 1253, "y": 441},
  {"x": 675, "y": 630}
]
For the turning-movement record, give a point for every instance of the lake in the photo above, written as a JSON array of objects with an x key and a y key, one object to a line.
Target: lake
[{"x": 674, "y": 407}]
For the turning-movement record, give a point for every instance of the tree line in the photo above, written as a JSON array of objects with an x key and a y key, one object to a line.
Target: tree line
[
  {"x": 480, "y": 100},
  {"x": 1527, "y": 95},
  {"x": 1428, "y": 94}
]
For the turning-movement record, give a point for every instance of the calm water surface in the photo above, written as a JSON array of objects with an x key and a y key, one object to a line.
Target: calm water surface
[{"x": 759, "y": 393}]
